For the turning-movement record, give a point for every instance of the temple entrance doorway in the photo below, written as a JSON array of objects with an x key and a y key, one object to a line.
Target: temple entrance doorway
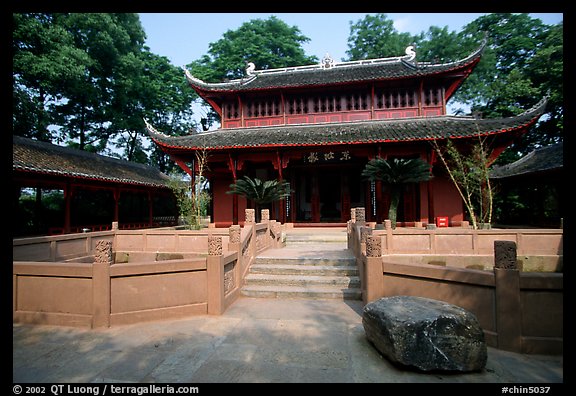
[{"x": 326, "y": 194}]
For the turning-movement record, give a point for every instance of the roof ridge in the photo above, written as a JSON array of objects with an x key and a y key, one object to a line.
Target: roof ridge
[
  {"x": 75, "y": 151},
  {"x": 406, "y": 60}
]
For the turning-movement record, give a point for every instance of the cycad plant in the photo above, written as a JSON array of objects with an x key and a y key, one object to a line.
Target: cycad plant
[
  {"x": 260, "y": 192},
  {"x": 395, "y": 173}
]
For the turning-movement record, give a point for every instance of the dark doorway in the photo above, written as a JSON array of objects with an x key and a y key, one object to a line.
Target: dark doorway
[{"x": 329, "y": 188}]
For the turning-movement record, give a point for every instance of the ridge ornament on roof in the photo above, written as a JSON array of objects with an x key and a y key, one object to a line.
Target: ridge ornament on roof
[
  {"x": 327, "y": 61},
  {"x": 400, "y": 67},
  {"x": 410, "y": 53},
  {"x": 250, "y": 69}
]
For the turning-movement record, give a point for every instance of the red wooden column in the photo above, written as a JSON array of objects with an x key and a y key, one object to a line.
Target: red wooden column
[{"x": 232, "y": 164}]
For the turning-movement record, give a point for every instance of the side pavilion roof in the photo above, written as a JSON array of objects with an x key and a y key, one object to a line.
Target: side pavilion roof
[
  {"x": 43, "y": 158},
  {"x": 363, "y": 132},
  {"x": 541, "y": 160}
]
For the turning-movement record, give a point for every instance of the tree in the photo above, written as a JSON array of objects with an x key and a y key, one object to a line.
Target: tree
[
  {"x": 395, "y": 173},
  {"x": 522, "y": 63},
  {"x": 374, "y": 36},
  {"x": 269, "y": 43},
  {"x": 261, "y": 192},
  {"x": 102, "y": 103},
  {"x": 470, "y": 174},
  {"x": 166, "y": 100},
  {"x": 87, "y": 80},
  {"x": 45, "y": 60}
]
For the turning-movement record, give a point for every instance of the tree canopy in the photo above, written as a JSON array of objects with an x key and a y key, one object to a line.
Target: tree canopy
[
  {"x": 268, "y": 43},
  {"x": 87, "y": 80},
  {"x": 522, "y": 63}
]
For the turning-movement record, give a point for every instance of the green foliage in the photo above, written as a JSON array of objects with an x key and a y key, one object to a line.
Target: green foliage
[
  {"x": 470, "y": 173},
  {"x": 192, "y": 204},
  {"x": 522, "y": 63},
  {"x": 374, "y": 36},
  {"x": 261, "y": 192},
  {"x": 88, "y": 80},
  {"x": 395, "y": 173},
  {"x": 269, "y": 43}
]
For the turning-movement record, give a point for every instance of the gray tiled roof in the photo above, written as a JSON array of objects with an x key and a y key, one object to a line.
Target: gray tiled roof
[
  {"x": 373, "y": 131},
  {"x": 540, "y": 160},
  {"x": 347, "y": 72},
  {"x": 44, "y": 158}
]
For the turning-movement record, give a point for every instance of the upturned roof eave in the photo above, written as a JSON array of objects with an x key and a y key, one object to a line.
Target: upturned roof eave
[
  {"x": 35, "y": 157},
  {"x": 85, "y": 176},
  {"x": 204, "y": 89},
  {"x": 201, "y": 141}
]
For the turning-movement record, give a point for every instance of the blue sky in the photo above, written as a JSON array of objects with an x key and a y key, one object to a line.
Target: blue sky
[{"x": 184, "y": 37}]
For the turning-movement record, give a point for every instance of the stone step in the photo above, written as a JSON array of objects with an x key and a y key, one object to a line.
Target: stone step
[
  {"x": 298, "y": 238},
  {"x": 309, "y": 291},
  {"x": 309, "y": 255},
  {"x": 313, "y": 264},
  {"x": 307, "y": 261},
  {"x": 302, "y": 280},
  {"x": 303, "y": 269}
]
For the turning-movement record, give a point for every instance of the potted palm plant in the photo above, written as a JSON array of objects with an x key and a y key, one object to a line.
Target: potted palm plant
[
  {"x": 395, "y": 173},
  {"x": 260, "y": 192}
]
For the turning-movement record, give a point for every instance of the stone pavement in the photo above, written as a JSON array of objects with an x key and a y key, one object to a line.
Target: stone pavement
[{"x": 255, "y": 340}]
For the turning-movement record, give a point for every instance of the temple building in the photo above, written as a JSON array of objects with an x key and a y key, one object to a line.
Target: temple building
[
  {"x": 317, "y": 126},
  {"x": 91, "y": 191}
]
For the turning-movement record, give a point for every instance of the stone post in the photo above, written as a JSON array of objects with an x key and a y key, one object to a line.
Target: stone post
[
  {"x": 353, "y": 215},
  {"x": 214, "y": 245},
  {"x": 277, "y": 231},
  {"x": 387, "y": 224},
  {"x": 103, "y": 252},
  {"x": 234, "y": 233},
  {"x": 265, "y": 215},
  {"x": 215, "y": 275},
  {"x": 234, "y": 245},
  {"x": 360, "y": 215},
  {"x": 505, "y": 255},
  {"x": 101, "y": 298},
  {"x": 373, "y": 246},
  {"x": 250, "y": 218},
  {"x": 234, "y": 239},
  {"x": 364, "y": 233},
  {"x": 374, "y": 276},
  {"x": 114, "y": 226},
  {"x": 508, "y": 301}
]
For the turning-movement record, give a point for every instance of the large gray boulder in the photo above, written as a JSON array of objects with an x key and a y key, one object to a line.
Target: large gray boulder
[{"x": 426, "y": 334}]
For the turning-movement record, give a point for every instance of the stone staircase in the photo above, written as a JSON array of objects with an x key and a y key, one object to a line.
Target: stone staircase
[{"x": 315, "y": 264}]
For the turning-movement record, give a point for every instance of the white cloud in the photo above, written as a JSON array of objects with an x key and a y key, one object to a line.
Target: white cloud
[{"x": 403, "y": 24}]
